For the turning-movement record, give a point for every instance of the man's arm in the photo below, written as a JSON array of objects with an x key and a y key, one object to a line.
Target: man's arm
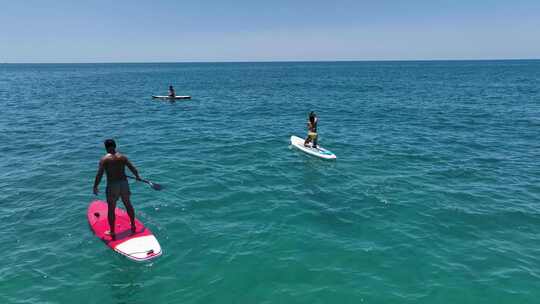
[
  {"x": 99, "y": 175},
  {"x": 132, "y": 168}
]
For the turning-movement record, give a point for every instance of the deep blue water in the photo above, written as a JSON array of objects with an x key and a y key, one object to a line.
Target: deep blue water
[{"x": 434, "y": 197}]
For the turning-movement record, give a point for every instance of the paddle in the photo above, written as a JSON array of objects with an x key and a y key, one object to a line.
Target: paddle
[{"x": 151, "y": 184}]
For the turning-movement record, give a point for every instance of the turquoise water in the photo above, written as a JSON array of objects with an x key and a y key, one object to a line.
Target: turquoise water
[{"x": 434, "y": 197}]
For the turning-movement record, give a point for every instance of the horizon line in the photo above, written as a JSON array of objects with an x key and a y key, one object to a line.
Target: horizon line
[{"x": 273, "y": 61}]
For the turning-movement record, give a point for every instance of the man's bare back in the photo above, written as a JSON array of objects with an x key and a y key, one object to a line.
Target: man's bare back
[{"x": 114, "y": 166}]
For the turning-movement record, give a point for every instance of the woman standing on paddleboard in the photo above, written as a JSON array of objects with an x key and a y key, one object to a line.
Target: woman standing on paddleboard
[
  {"x": 114, "y": 164},
  {"x": 312, "y": 130}
]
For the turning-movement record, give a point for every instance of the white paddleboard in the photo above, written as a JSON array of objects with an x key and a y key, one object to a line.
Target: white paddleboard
[
  {"x": 298, "y": 143},
  {"x": 175, "y": 97}
]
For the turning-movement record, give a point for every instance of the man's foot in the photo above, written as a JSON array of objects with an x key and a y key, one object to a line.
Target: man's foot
[{"x": 111, "y": 234}]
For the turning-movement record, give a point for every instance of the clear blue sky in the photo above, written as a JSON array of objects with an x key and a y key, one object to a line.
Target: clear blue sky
[{"x": 251, "y": 30}]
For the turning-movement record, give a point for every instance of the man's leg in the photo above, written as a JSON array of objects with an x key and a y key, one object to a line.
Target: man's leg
[
  {"x": 111, "y": 203},
  {"x": 315, "y": 139},
  {"x": 129, "y": 209}
]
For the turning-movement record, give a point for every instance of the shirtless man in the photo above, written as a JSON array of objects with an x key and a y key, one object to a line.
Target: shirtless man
[
  {"x": 114, "y": 163},
  {"x": 312, "y": 130}
]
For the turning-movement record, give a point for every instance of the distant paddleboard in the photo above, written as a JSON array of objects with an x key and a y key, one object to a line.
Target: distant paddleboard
[
  {"x": 139, "y": 246},
  {"x": 169, "y": 97},
  {"x": 298, "y": 143}
]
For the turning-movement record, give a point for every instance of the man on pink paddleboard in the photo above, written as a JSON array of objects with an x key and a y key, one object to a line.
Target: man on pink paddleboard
[{"x": 114, "y": 164}]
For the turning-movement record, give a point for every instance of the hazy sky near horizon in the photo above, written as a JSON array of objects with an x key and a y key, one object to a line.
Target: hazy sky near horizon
[{"x": 243, "y": 30}]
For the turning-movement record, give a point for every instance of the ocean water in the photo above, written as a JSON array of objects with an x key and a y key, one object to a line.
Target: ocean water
[{"x": 434, "y": 197}]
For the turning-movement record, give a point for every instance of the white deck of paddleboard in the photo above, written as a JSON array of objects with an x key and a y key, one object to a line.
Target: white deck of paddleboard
[
  {"x": 175, "y": 97},
  {"x": 139, "y": 248},
  {"x": 298, "y": 143}
]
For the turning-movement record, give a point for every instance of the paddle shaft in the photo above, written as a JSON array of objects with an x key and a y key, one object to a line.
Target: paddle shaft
[{"x": 142, "y": 180}]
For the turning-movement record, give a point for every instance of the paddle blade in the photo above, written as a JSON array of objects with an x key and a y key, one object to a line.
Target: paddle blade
[{"x": 155, "y": 186}]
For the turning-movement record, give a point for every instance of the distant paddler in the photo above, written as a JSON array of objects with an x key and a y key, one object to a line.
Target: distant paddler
[
  {"x": 172, "y": 93},
  {"x": 171, "y": 96},
  {"x": 312, "y": 130}
]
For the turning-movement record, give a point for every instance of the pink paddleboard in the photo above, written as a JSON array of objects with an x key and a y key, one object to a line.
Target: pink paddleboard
[{"x": 139, "y": 246}]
